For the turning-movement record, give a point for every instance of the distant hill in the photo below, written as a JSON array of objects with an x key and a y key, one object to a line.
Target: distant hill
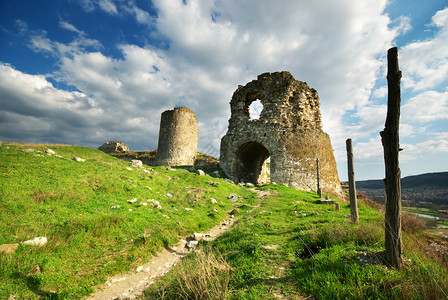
[
  {"x": 439, "y": 179},
  {"x": 429, "y": 187}
]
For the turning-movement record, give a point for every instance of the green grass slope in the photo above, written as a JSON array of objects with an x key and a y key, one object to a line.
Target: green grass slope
[
  {"x": 295, "y": 248},
  {"x": 84, "y": 210}
]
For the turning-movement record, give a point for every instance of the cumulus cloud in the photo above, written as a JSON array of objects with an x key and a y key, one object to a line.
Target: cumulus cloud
[
  {"x": 427, "y": 61},
  {"x": 425, "y": 107}
]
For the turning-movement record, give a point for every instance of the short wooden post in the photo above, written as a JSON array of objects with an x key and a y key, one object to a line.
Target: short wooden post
[
  {"x": 351, "y": 183},
  {"x": 337, "y": 206},
  {"x": 390, "y": 141},
  {"x": 319, "y": 191}
]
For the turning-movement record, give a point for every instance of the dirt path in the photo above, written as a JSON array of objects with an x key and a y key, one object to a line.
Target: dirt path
[{"x": 131, "y": 285}]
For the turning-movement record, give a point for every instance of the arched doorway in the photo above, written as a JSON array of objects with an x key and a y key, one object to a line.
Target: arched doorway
[{"x": 250, "y": 163}]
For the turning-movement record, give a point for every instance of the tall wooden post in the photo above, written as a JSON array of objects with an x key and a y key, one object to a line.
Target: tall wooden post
[
  {"x": 319, "y": 190},
  {"x": 351, "y": 182},
  {"x": 390, "y": 141}
]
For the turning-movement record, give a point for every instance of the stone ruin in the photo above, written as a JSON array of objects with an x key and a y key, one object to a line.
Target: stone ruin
[
  {"x": 178, "y": 138},
  {"x": 113, "y": 146},
  {"x": 289, "y": 131}
]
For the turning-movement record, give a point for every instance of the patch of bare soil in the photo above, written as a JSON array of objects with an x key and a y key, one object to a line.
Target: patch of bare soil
[{"x": 131, "y": 285}]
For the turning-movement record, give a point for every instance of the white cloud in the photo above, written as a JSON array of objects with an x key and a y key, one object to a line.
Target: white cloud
[
  {"x": 108, "y": 6},
  {"x": 413, "y": 152},
  {"x": 70, "y": 27},
  {"x": 426, "y": 62},
  {"x": 426, "y": 107}
]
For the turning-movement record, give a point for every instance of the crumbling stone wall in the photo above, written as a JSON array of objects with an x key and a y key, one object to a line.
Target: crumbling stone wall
[
  {"x": 178, "y": 137},
  {"x": 289, "y": 131}
]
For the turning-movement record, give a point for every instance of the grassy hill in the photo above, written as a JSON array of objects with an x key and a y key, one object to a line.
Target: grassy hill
[
  {"x": 85, "y": 211},
  {"x": 289, "y": 247}
]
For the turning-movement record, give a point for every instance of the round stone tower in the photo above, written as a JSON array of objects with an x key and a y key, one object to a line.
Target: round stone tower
[{"x": 178, "y": 138}]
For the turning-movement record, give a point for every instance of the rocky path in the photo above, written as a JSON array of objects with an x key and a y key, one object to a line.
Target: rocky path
[{"x": 131, "y": 285}]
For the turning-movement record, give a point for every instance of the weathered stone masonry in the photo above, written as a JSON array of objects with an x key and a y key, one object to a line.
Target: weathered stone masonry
[
  {"x": 289, "y": 131},
  {"x": 178, "y": 137}
]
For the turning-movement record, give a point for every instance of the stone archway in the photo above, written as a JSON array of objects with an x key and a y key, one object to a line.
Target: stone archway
[
  {"x": 288, "y": 130},
  {"x": 250, "y": 163}
]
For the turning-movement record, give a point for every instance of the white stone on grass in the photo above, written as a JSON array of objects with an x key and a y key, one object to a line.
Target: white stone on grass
[
  {"x": 49, "y": 151},
  {"x": 38, "y": 241},
  {"x": 136, "y": 163}
]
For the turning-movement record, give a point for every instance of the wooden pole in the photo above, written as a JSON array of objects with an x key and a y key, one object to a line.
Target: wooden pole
[
  {"x": 319, "y": 191},
  {"x": 390, "y": 141},
  {"x": 351, "y": 182}
]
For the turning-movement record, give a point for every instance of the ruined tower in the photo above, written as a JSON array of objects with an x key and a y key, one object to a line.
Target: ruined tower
[
  {"x": 178, "y": 137},
  {"x": 289, "y": 131}
]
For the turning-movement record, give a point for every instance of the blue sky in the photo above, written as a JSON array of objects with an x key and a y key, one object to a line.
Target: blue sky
[{"x": 88, "y": 71}]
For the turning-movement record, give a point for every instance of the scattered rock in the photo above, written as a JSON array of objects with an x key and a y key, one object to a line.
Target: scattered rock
[
  {"x": 130, "y": 209},
  {"x": 136, "y": 163},
  {"x": 38, "y": 241},
  {"x": 250, "y": 184},
  {"x": 113, "y": 146},
  {"x": 233, "y": 197},
  {"x": 129, "y": 169},
  {"x": 79, "y": 159},
  {"x": 213, "y": 200},
  {"x": 28, "y": 150},
  {"x": 214, "y": 210},
  {"x": 139, "y": 269},
  {"x": 267, "y": 224},
  {"x": 146, "y": 171},
  {"x": 149, "y": 188},
  {"x": 49, "y": 151},
  {"x": 144, "y": 204},
  {"x": 169, "y": 195},
  {"x": 200, "y": 172},
  {"x": 198, "y": 236},
  {"x": 155, "y": 202},
  {"x": 59, "y": 156},
  {"x": 192, "y": 244},
  {"x": 270, "y": 247},
  {"x": 115, "y": 206},
  {"x": 158, "y": 206},
  {"x": 187, "y": 208},
  {"x": 216, "y": 173},
  {"x": 133, "y": 200},
  {"x": 166, "y": 216},
  {"x": 11, "y": 297},
  {"x": 8, "y": 248}
]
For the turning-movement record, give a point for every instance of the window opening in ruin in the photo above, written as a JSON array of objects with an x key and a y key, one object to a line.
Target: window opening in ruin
[
  {"x": 255, "y": 109},
  {"x": 251, "y": 164}
]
